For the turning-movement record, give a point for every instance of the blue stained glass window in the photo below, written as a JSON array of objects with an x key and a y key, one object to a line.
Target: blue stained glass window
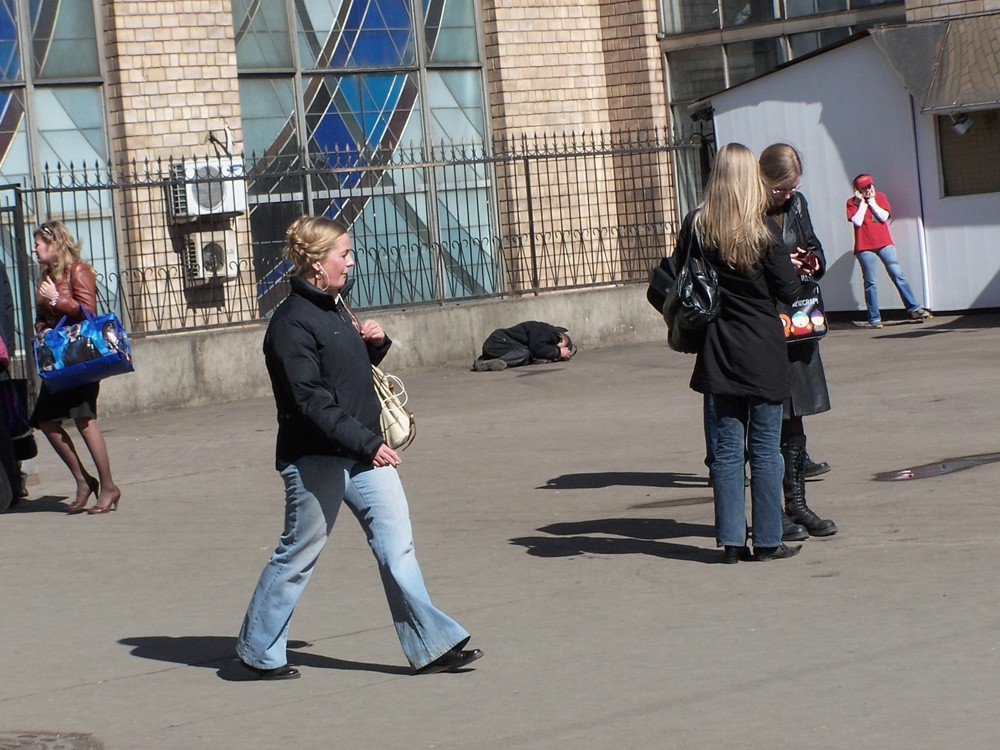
[
  {"x": 361, "y": 110},
  {"x": 64, "y": 38},
  {"x": 362, "y": 33},
  {"x": 261, "y": 29},
  {"x": 269, "y": 126},
  {"x": 72, "y": 131},
  {"x": 10, "y": 64},
  {"x": 451, "y": 31},
  {"x": 14, "y": 164},
  {"x": 418, "y": 231},
  {"x": 456, "y": 105}
]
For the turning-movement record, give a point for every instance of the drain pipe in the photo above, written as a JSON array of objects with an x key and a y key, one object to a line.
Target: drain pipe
[{"x": 925, "y": 277}]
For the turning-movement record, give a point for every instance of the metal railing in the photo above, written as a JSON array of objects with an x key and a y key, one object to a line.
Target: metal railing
[{"x": 523, "y": 215}]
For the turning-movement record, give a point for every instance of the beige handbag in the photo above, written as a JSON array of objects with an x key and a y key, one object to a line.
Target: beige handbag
[{"x": 398, "y": 425}]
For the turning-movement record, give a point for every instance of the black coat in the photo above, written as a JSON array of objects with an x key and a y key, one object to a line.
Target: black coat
[
  {"x": 538, "y": 340},
  {"x": 744, "y": 353},
  {"x": 321, "y": 376},
  {"x": 809, "y": 394}
]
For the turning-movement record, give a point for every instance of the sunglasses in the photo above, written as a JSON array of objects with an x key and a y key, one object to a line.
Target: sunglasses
[
  {"x": 779, "y": 191},
  {"x": 45, "y": 232}
]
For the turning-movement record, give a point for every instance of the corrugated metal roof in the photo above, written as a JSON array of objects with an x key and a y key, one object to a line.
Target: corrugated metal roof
[{"x": 949, "y": 65}]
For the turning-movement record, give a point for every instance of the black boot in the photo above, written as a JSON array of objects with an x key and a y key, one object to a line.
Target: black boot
[
  {"x": 791, "y": 531},
  {"x": 794, "y": 485},
  {"x": 813, "y": 469}
]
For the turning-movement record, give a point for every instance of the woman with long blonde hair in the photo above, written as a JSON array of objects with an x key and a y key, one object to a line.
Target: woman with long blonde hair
[
  {"x": 743, "y": 365},
  {"x": 67, "y": 285}
]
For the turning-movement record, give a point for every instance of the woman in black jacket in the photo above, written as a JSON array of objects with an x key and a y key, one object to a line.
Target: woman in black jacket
[
  {"x": 743, "y": 363},
  {"x": 330, "y": 449},
  {"x": 781, "y": 168}
]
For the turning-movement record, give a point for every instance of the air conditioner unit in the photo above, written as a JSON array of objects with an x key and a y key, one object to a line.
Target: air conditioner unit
[
  {"x": 209, "y": 256},
  {"x": 207, "y": 187}
]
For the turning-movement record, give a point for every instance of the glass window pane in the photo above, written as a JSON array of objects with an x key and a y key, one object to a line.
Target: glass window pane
[
  {"x": 970, "y": 148},
  {"x": 455, "y": 99},
  {"x": 682, "y": 16},
  {"x": 262, "y": 39},
  {"x": 750, "y": 59},
  {"x": 14, "y": 165},
  {"x": 803, "y": 44},
  {"x": 741, "y": 12},
  {"x": 795, "y": 8},
  {"x": 346, "y": 112},
  {"x": 70, "y": 125},
  {"x": 268, "y": 116},
  {"x": 355, "y": 33},
  {"x": 10, "y": 63},
  {"x": 63, "y": 38},
  {"x": 869, "y": 3},
  {"x": 695, "y": 73},
  {"x": 451, "y": 31}
]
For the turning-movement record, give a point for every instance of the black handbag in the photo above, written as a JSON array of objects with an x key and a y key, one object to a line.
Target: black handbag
[
  {"x": 805, "y": 318},
  {"x": 694, "y": 300}
]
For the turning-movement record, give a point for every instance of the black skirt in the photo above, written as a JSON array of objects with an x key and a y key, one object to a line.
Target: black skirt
[
  {"x": 808, "y": 381},
  {"x": 73, "y": 403}
]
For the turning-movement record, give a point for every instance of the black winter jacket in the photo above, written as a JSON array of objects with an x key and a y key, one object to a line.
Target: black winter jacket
[
  {"x": 745, "y": 351},
  {"x": 320, "y": 370}
]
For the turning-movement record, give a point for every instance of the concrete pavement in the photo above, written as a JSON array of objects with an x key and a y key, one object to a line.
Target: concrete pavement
[{"x": 561, "y": 514}]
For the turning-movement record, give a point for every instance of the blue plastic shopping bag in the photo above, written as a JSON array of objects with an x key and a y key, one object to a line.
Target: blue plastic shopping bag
[{"x": 82, "y": 353}]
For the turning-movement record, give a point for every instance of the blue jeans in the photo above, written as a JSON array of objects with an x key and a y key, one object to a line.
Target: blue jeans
[
  {"x": 708, "y": 415},
  {"x": 747, "y": 426},
  {"x": 867, "y": 261},
  {"x": 314, "y": 488}
]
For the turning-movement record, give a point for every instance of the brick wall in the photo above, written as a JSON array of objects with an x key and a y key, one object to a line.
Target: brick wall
[
  {"x": 171, "y": 80},
  {"x": 171, "y": 76},
  {"x": 925, "y": 10},
  {"x": 589, "y": 65}
]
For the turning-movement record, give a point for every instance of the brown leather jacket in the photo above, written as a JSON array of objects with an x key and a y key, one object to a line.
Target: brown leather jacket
[{"x": 77, "y": 289}]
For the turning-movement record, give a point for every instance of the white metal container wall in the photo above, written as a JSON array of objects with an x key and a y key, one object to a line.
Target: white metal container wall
[{"x": 847, "y": 112}]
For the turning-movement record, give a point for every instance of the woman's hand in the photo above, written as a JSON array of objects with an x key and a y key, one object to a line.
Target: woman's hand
[
  {"x": 48, "y": 291},
  {"x": 372, "y": 332},
  {"x": 386, "y": 456},
  {"x": 805, "y": 263}
]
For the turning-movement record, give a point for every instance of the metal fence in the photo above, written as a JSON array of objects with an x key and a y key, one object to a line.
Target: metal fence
[{"x": 196, "y": 243}]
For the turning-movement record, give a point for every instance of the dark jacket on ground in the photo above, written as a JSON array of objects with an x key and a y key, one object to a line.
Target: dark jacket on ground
[
  {"x": 320, "y": 370},
  {"x": 744, "y": 353},
  {"x": 540, "y": 340},
  {"x": 809, "y": 394}
]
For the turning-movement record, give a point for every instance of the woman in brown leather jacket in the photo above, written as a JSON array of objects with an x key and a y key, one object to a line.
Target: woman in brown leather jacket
[{"x": 66, "y": 286}]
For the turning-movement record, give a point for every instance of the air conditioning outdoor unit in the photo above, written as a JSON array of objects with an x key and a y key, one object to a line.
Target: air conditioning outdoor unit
[
  {"x": 207, "y": 187},
  {"x": 211, "y": 255}
]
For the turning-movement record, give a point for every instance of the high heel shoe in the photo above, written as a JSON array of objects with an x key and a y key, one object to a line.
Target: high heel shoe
[
  {"x": 79, "y": 504},
  {"x": 112, "y": 505}
]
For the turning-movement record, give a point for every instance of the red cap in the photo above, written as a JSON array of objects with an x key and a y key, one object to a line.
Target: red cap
[{"x": 863, "y": 181}]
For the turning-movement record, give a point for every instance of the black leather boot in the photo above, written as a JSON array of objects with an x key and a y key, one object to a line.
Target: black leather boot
[
  {"x": 791, "y": 531},
  {"x": 794, "y": 485},
  {"x": 813, "y": 469}
]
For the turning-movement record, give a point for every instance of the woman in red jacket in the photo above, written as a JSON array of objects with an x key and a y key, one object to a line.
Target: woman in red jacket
[{"x": 67, "y": 285}]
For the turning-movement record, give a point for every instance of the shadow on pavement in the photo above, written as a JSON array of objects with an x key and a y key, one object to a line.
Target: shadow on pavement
[
  {"x": 636, "y": 536},
  {"x": 623, "y": 479},
  {"x": 212, "y": 650},
  {"x": 43, "y": 504}
]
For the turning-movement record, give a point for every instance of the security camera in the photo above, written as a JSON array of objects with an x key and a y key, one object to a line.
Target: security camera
[
  {"x": 703, "y": 113},
  {"x": 960, "y": 123}
]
